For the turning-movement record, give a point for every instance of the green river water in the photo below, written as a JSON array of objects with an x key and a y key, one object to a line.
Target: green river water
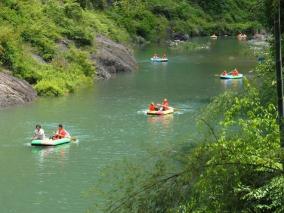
[{"x": 110, "y": 123}]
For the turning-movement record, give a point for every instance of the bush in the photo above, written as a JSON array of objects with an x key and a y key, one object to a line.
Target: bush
[{"x": 49, "y": 88}]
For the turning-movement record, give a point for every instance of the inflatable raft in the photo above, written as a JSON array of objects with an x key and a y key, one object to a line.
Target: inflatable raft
[
  {"x": 50, "y": 142},
  {"x": 159, "y": 112},
  {"x": 159, "y": 59},
  {"x": 228, "y": 76},
  {"x": 214, "y": 37}
]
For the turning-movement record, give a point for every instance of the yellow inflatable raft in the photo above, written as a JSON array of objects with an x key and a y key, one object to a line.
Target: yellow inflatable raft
[{"x": 160, "y": 112}]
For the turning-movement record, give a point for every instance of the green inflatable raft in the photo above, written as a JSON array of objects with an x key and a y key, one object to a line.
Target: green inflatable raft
[
  {"x": 229, "y": 76},
  {"x": 50, "y": 142},
  {"x": 159, "y": 59}
]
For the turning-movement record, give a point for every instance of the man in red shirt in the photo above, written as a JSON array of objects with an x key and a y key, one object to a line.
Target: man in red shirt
[{"x": 61, "y": 133}]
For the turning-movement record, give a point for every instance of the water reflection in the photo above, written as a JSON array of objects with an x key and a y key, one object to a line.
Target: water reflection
[
  {"x": 60, "y": 153},
  {"x": 235, "y": 84},
  {"x": 165, "y": 120}
]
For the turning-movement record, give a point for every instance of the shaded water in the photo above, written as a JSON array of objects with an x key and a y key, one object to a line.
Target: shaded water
[{"x": 110, "y": 123}]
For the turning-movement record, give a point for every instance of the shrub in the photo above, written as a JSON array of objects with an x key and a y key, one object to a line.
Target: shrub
[{"x": 49, "y": 88}]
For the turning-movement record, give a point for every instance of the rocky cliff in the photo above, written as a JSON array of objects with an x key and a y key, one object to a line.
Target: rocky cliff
[
  {"x": 112, "y": 57},
  {"x": 14, "y": 91}
]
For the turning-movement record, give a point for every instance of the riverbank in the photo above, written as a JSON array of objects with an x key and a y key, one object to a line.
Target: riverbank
[
  {"x": 52, "y": 45},
  {"x": 108, "y": 59}
]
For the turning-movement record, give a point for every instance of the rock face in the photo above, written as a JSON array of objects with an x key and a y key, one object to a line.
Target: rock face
[
  {"x": 14, "y": 91},
  {"x": 111, "y": 58}
]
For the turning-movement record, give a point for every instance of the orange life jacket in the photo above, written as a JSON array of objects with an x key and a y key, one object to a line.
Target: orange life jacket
[
  {"x": 61, "y": 134},
  {"x": 152, "y": 107}
]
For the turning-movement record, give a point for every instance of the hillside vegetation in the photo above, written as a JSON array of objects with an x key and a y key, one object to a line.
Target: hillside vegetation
[
  {"x": 48, "y": 43},
  {"x": 156, "y": 20}
]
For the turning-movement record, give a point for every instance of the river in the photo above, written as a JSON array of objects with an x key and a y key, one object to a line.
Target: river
[{"x": 110, "y": 124}]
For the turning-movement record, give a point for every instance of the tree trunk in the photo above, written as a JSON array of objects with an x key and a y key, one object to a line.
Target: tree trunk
[{"x": 279, "y": 77}]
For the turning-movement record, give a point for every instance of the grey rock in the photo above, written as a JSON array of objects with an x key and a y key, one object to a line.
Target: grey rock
[
  {"x": 38, "y": 58},
  {"x": 14, "y": 91},
  {"x": 63, "y": 45},
  {"x": 111, "y": 58}
]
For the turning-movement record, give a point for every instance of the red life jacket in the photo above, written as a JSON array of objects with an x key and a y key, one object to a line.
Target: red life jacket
[
  {"x": 152, "y": 107},
  {"x": 61, "y": 134}
]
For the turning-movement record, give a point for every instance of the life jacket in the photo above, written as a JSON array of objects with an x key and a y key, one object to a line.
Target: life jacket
[
  {"x": 152, "y": 107},
  {"x": 165, "y": 105},
  {"x": 61, "y": 134}
]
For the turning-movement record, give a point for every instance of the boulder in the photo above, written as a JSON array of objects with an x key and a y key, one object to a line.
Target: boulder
[
  {"x": 14, "y": 91},
  {"x": 112, "y": 57}
]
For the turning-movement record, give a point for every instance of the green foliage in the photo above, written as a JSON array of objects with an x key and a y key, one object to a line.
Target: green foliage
[
  {"x": 8, "y": 47},
  {"x": 104, "y": 25},
  {"x": 149, "y": 18},
  {"x": 94, "y": 4},
  {"x": 38, "y": 29},
  {"x": 49, "y": 88}
]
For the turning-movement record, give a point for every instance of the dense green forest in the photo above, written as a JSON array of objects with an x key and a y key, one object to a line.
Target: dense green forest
[
  {"x": 49, "y": 42},
  {"x": 156, "y": 20}
]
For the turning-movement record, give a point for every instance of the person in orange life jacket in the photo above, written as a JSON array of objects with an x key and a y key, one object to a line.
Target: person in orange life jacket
[
  {"x": 165, "y": 104},
  {"x": 61, "y": 133},
  {"x": 235, "y": 72},
  {"x": 152, "y": 107}
]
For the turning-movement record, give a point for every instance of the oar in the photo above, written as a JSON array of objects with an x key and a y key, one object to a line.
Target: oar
[
  {"x": 177, "y": 109},
  {"x": 73, "y": 138}
]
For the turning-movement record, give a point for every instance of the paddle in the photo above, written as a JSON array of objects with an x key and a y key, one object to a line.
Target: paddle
[
  {"x": 73, "y": 138},
  {"x": 177, "y": 109}
]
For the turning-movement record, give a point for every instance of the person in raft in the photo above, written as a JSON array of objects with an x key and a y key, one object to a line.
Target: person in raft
[
  {"x": 235, "y": 72},
  {"x": 164, "y": 56},
  {"x": 155, "y": 56},
  {"x": 225, "y": 73},
  {"x": 60, "y": 133},
  {"x": 165, "y": 104},
  {"x": 38, "y": 133},
  {"x": 152, "y": 107}
]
